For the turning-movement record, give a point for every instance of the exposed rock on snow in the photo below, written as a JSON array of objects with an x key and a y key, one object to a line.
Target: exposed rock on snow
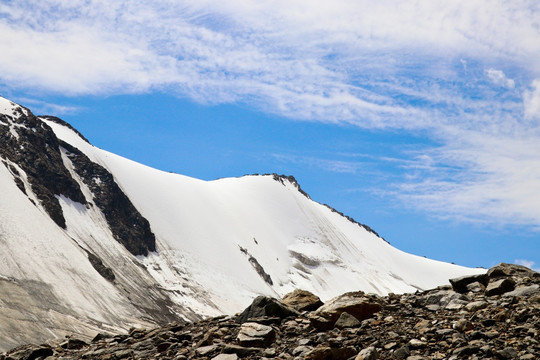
[{"x": 128, "y": 226}]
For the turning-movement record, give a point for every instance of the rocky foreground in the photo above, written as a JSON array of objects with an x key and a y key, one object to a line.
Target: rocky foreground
[{"x": 491, "y": 316}]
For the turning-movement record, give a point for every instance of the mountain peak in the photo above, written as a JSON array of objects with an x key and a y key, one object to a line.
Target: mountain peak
[
  {"x": 108, "y": 243},
  {"x": 11, "y": 109}
]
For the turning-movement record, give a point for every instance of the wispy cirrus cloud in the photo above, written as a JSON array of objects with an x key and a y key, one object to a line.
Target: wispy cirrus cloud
[
  {"x": 464, "y": 73},
  {"x": 499, "y": 78},
  {"x": 527, "y": 263}
]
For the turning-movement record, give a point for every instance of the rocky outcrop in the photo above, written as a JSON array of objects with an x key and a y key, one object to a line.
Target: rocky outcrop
[
  {"x": 257, "y": 266},
  {"x": 478, "y": 326},
  {"x": 28, "y": 142},
  {"x": 268, "y": 307},
  {"x": 128, "y": 226}
]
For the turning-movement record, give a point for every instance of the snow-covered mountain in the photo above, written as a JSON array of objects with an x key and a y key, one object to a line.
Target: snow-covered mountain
[{"x": 92, "y": 241}]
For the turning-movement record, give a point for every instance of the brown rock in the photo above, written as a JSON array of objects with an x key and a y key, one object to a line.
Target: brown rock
[
  {"x": 354, "y": 303},
  {"x": 499, "y": 287},
  {"x": 320, "y": 353},
  {"x": 504, "y": 270},
  {"x": 302, "y": 300}
]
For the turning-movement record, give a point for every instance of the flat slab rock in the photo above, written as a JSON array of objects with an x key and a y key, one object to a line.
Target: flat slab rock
[
  {"x": 356, "y": 304},
  {"x": 256, "y": 335},
  {"x": 500, "y": 287}
]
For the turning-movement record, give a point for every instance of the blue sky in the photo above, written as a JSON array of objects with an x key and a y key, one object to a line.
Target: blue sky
[{"x": 418, "y": 118}]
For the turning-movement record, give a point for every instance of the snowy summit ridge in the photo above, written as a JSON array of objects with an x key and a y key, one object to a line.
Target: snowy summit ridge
[{"x": 93, "y": 241}]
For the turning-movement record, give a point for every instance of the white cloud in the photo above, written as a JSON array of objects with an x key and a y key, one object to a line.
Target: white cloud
[
  {"x": 399, "y": 65},
  {"x": 479, "y": 178},
  {"x": 531, "y": 100},
  {"x": 499, "y": 78},
  {"x": 40, "y": 107},
  {"x": 527, "y": 263},
  {"x": 332, "y": 165}
]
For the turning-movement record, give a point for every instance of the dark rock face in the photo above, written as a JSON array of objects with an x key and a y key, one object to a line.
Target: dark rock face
[
  {"x": 266, "y": 306},
  {"x": 35, "y": 149},
  {"x": 257, "y": 266},
  {"x": 64, "y": 123},
  {"x": 460, "y": 284},
  {"x": 30, "y": 143},
  {"x": 128, "y": 226},
  {"x": 103, "y": 270},
  {"x": 504, "y": 327}
]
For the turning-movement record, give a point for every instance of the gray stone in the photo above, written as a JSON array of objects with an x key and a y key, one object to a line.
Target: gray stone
[
  {"x": 416, "y": 344},
  {"x": 256, "y": 335},
  {"x": 401, "y": 353},
  {"x": 455, "y": 304},
  {"x": 346, "y": 320},
  {"x": 524, "y": 291},
  {"x": 369, "y": 353},
  {"x": 500, "y": 287},
  {"x": 226, "y": 357},
  {"x": 460, "y": 284},
  {"x": 206, "y": 350},
  {"x": 476, "y": 305}
]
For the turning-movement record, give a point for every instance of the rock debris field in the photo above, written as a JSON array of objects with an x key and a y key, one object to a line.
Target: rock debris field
[{"x": 490, "y": 316}]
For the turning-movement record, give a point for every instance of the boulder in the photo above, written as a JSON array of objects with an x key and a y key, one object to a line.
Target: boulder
[
  {"x": 500, "y": 287},
  {"x": 256, "y": 335},
  {"x": 266, "y": 306},
  {"x": 525, "y": 291},
  {"x": 369, "y": 353},
  {"x": 302, "y": 300},
  {"x": 356, "y": 304},
  {"x": 460, "y": 284},
  {"x": 346, "y": 320},
  {"x": 505, "y": 270}
]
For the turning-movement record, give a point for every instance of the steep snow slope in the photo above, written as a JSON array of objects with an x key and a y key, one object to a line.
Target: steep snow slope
[
  {"x": 207, "y": 233},
  {"x": 49, "y": 287}
]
